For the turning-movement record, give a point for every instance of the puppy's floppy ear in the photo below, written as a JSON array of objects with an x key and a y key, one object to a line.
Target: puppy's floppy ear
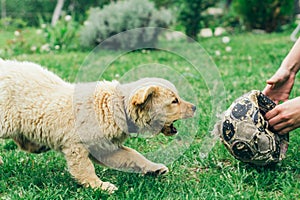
[{"x": 142, "y": 95}]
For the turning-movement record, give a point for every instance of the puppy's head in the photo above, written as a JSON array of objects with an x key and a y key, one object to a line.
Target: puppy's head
[{"x": 154, "y": 109}]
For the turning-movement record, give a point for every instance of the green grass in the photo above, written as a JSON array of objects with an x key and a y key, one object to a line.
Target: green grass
[{"x": 253, "y": 59}]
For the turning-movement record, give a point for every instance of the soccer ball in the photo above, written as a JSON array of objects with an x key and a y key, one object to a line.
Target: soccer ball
[{"x": 246, "y": 134}]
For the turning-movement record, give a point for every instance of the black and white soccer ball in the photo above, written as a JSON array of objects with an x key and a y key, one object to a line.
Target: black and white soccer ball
[{"x": 246, "y": 134}]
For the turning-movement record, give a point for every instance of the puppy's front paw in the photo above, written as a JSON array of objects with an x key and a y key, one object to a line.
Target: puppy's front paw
[
  {"x": 157, "y": 169},
  {"x": 1, "y": 161},
  {"x": 107, "y": 186}
]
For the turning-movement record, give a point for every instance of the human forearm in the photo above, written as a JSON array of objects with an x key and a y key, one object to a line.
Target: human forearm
[
  {"x": 279, "y": 86},
  {"x": 292, "y": 60}
]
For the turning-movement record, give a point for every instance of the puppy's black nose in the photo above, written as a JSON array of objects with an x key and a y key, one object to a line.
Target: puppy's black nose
[{"x": 194, "y": 108}]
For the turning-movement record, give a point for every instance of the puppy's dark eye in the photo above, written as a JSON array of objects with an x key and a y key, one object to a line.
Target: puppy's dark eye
[{"x": 175, "y": 101}]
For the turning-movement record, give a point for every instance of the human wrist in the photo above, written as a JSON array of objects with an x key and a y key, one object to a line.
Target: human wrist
[{"x": 291, "y": 67}]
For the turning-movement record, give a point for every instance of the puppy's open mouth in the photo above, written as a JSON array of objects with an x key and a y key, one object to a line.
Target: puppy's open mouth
[{"x": 169, "y": 130}]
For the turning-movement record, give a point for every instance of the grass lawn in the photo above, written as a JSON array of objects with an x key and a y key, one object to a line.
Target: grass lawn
[{"x": 253, "y": 59}]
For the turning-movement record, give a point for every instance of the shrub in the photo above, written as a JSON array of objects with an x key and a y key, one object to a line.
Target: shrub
[
  {"x": 267, "y": 15},
  {"x": 21, "y": 41},
  {"x": 164, "y": 3},
  {"x": 62, "y": 35},
  {"x": 121, "y": 16},
  {"x": 27, "y": 10},
  {"x": 230, "y": 19},
  {"x": 12, "y": 24},
  {"x": 190, "y": 15}
]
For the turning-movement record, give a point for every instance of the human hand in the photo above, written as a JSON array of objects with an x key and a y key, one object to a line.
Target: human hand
[
  {"x": 280, "y": 85},
  {"x": 285, "y": 117}
]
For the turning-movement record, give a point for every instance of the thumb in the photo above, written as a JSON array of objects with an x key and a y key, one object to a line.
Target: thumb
[
  {"x": 271, "y": 81},
  {"x": 280, "y": 76},
  {"x": 270, "y": 85},
  {"x": 268, "y": 92},
  {"x": 274, "y": 79}
]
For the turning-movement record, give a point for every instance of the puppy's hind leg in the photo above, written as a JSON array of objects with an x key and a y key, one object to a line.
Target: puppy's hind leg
[{"x": 82, "y": 168}]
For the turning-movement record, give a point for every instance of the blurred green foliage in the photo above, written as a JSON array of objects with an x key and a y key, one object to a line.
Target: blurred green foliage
[
  {"x": 62, "y": 35},
  {"x": 268, "y": 15},
  {"x": 190, "y": 15},
  {"x": 79, "y": 8},
  {"x": 44, "y": 39},
  {"x": 29, "y": 10},
  {"x": 164, "y": 3},
  {"x": 11, "y": 24},
  {"x": 121, "y": 16}
]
